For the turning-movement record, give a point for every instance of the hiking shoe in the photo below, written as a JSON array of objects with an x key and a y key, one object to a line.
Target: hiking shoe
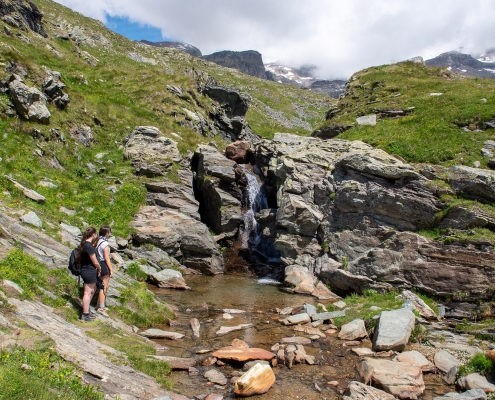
[
  {"x": 102, "y": 311},
  {"x": 86, "y": 318}
]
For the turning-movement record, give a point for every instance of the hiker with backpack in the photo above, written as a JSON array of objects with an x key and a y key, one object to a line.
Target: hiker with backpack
[
  {"x": 89, "y": 270},
  {"x": 103, "y": 256}
]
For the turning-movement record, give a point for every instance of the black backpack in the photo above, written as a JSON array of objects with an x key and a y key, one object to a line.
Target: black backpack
[{"x": 73, "y": 268}]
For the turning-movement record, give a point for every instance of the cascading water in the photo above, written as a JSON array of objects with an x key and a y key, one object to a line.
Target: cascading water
[{"x": 251, "y": 234}]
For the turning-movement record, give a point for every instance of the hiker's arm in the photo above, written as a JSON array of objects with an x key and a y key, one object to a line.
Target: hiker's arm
[
  {"x": 95, "y": 262},
  {"x": 106, "y": 255}
]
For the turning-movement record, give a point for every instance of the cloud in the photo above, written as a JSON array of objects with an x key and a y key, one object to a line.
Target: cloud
[{"x": 339, "y": 37}]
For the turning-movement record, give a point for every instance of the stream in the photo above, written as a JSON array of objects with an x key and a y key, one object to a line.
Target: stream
[{"x": 333, "y": 361}]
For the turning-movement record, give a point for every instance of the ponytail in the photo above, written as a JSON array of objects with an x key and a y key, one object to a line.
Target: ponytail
[{"x": 86, "y": 235}]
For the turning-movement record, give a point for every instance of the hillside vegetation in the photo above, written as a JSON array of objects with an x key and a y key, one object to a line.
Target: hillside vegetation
[
  {"x": 114, "y": 85},
  {"x": 432, "y": 131}
]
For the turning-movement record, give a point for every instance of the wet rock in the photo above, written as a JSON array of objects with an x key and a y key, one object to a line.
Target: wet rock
[
  {"x": 394, "y": 329},
  {"x": 298, "y": 319},
  {"x": 243, "y": 354},
  {"x": 29, "y": 102},
  {"x": 359, "y": 391},
  {"x": 195, "y": 326},
  {"x": 309, "y": 330},
  {"x": 474, "y": 394},
  {"x": 415, "y": 358},
  {"x": 208, "y": 362},
  {"x": 227, "y": 329},
  {"x": 238, "y": 151},
  {"x": 215, "y": 376},
  {"x": 445, "y": 361},
  {"x": 401, "y": 380},
  {"x": 353, "y": 330},
  {"x": 475, "y": 381},
  {"x": 159, "y": 334},
  {"x": 258, "y": 380},
  {"x": 295, "y": 340},
  {"x": 177, "y": 363},
  {"x": 32, "y": 219},
  {"x": 169, "y": 278}
]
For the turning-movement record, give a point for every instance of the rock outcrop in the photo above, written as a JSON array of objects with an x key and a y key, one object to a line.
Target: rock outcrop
[
  {"x": 248, "y": 62},
  {"x": 29, "y": 102},
  {"x": 22, "y": 14}
]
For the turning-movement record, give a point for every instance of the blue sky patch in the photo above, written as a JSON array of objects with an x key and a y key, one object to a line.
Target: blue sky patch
[{"x": 135, "y": 30}]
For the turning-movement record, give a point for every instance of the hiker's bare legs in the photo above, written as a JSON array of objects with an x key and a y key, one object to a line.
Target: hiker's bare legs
[{"x": 89, "y": 290}]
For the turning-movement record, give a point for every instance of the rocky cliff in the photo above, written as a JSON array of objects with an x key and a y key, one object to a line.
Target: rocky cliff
[
  {"x": 464, "y": 64},
  {"x": 248, "y": 62}
]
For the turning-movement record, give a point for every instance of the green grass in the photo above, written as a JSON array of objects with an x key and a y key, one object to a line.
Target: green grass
[
  {"x": 479, "y": 363},
  {"x": 136, "y": 350},
  {"x": 358, "y": 306},
  {"x": 431, "y": 133},
  {"x": 48, "y": 376},
  {"x": 135, "y": 271}
]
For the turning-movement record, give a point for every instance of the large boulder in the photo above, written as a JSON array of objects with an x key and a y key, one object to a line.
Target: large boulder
[
  {"x": 180, "y": 236},
  {"x": 401, "y": 380},
  {"x": 29, "y": 102},
  {"x": 151, "y": 153},
  {"x": 173, "y": 196},
  {"x": 354, "y": 330},
  {"x": 445, "y": 361},
  {"x": 302, "y": 281},
  {"x": 476, "y": 381},
  {"x": 393, "y": 330},
  {"x": 238, "y": 151},
  {"x": 474, "y": 183},
  {"x": 169, "y": 278},
  {"x": 258, "y": 380}
]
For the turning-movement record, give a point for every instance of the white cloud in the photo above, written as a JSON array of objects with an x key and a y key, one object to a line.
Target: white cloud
[{"x": 340, "y": 37}]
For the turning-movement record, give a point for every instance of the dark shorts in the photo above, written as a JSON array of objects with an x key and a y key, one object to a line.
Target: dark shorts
[
  {"x": 104, "y": 268},
  {"x": 89, "y": 274}
]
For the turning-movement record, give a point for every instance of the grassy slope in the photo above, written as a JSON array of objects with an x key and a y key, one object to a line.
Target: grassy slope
[
  {"x": 431, "y": 133},
  {"x": 122, "y": 94}
]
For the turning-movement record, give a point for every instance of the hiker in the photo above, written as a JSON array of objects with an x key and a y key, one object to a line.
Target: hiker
[
  {"x": 90, "y": 271},
  {"x": 103, "y": 256}
]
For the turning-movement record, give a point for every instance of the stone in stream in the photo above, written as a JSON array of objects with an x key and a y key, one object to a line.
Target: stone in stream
[
  {"x": 473, "y": 394},
  {"x": 415, "y": 358},
  {"x": 233, "y": 311},
  {"x": 401, "y": 380},
  {"x": 195, "y": 325},
  {"x": 298, "y": 319},
  {"x": 476, "y": 381},
  {"x": 250, "y": 364},
  {"x": 227, "y": 316},
  {"x": 177, "y": 363},
  {"x": 159, "y": 334},
  {"x": 354, "y": 330},
  {"x": 295, "y": 340},
  {"x": 309, "y": 330},
  {"x": 258, "y": 380},
  {"x": 215, "y": 376},
  {"x": 328, "y": 315},
  {"x": 362, "y": 351},
  {"x": 359, "y": 391},
  {"x": 227, "y": 329},
  {"x": 445, "y": 361},
  {"x": 394, "y": 329},
  {"x": 243, "y": 354},
  {"x": 169, "y": 278}
]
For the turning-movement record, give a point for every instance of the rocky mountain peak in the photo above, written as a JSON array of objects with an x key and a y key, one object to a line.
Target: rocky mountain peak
[
  {"x": 249, "y": 62},
  {"x": 464, "y": 64}
]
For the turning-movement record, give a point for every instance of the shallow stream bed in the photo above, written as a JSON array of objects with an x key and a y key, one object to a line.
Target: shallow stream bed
[{"x": 333, "y": 361}]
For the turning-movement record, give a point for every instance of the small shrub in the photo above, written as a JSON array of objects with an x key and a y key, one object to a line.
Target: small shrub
[
  {"x": 135, "y": 271},
  {"x": 345, "y": 263},
  {"x": 479, "y": 363},
  {"x": 149, "y": 246}
]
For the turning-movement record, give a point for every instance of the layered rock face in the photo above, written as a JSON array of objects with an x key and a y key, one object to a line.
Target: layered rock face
[
  {"x": 23, "y": 14},
  {"x": 346, "y": 213},
  {"x": 248, "y": 62}
]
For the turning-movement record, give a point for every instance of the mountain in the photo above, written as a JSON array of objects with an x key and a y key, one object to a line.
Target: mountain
[
  {"x": 488, "y": 56},
  {"x": 248, "y": 62},
  {"x": 188, "y": 48},
  {"x": 465, "y": 64},
  {"x": 304, "y": 77}
]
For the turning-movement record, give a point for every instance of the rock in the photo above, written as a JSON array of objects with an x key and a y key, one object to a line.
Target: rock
[
  {"x": 83, "y": 134},
  {"x": 32, "y": 219},
  {"x": 238, "y": 151},
  {"x": 393, "y": 330},
  {"x": 362, "y": 351},
  {"x": 195, "y": 326},
  {"x": 250, "y": 364},
  {"x": 359, "y": 391},
  {"x": 227, "y": 329},
  {"x": 214, "y": 396},
  {"x": 367, "y": 120},
  {"x": 353, "y": 330},
  {"x": 67, "y": 211},
  {"x": 53, "y": 89},
  {"x": 340, "y": 304},
  {"x": 47, "y": 184},
  {"x": 215, "y": 376},
  {"x": 178, "y": 235},
  {"x": 177, "y": 363},
  {"x": 258, "y": 380},
  {"x": 295, "y": 340},
  {"x": 243, "y": 354},
  {"x": 29, "y": 102},
  {"x": 227, "y": 316},
  {"x": 325, "y": 316},
  {"x": 415, "y": 358},
  {"x": 12, "y": 286},
  {"x": 169, "y": 278},
  {"x": 73, "y": 230},
  {"x": 401, "y": 380},
  {"x": 173, "y": 196},
  {"x": 445, "y": 361},
  {"x": 475, "y": 381},
  {"x": 29, "y": 193},
  {"x": 151, "y": 153},
  {"x": 330, "y": 131},
  {"x": 474, "y": 183},
  {"x": 491, "y": 355},
  {"x": 423, "y": 308},
  {"x": 159, "y": 334},
  {"x": 310, "y": 331},
  {"x": 474, "y": 394},
  {"x": 208, "y": 362},
  {"x": 299, "y": 319}
]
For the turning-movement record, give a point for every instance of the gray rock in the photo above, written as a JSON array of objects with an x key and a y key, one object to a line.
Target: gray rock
[
  {"x": 216, "y": 377},
  {"x": 29, "y": 193},
  {"x": 474, "y": 394},
  {"x": 475, "y": 381},
  {"x": 445, "y": 361},
  {"x": 420, "y": 305},
  {"x": 32, "y": 219},
  {"x": 360, "y": 391},
  {"x": 73, "y": 230},
  {"x": 354, "y": 330},
  {"x": 299, "y": 319},
  {"x": 367, "y": 120},
  {"x": 67, "y": 211},
  {"x": 83, "y": 134},
  {"x": 12, "y": 285},
  {"x": 169, "y": 278},
  {"x": 393, "y": 330},
  {"x": 473, "y": 183},
  {"x": 29, "y": 102},
  {"x": 328, "y": 315},
  {"x": 47, "y": 184},
  {"x": 250, "y": 364},
  {"x": 159, "y": 334}
]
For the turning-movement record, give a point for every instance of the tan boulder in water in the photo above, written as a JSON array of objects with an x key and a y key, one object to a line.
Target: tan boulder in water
[
  {"x": 258, "y": 380},
  {"x": 243, "y": 354}
]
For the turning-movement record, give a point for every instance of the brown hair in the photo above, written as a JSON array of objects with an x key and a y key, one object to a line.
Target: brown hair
[
  {"x": 86, "y": 235},
  {"x": 104, "y": 230}
]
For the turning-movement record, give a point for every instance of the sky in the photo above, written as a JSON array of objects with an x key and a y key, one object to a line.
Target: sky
[{"x": 340, "y": 37}]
